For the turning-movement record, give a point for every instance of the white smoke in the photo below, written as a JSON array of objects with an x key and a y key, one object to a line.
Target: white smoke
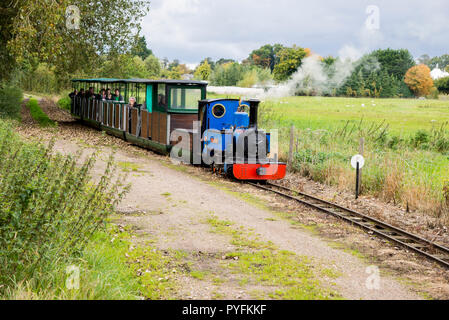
[{"x": 313, "y": 78}]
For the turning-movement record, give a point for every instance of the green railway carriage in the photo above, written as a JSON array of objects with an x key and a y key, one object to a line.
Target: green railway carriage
[{"x": 161, "y": 107}]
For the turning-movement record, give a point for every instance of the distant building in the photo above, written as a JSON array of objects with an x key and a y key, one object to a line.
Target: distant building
[{"x": 437, "y": 73}]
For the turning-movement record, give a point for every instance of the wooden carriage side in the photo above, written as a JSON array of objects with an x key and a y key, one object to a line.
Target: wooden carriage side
[{"x": 163, "y": 106}]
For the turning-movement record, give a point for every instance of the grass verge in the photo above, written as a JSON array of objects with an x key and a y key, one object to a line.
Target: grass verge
[
  {"x": 292, "y": 277},
  {"x": 38, "y": 115}
]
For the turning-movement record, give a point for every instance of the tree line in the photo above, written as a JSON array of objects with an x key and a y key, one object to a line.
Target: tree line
[
  {"x": 381, "y": 73},
  {"x": 40, "y": 53}
]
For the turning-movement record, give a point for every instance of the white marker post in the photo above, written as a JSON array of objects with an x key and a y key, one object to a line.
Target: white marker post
[{"x": 357, "y": 162}]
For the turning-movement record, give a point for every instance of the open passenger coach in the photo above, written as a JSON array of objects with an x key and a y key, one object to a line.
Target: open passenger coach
[{"x": 148, "y": 113}]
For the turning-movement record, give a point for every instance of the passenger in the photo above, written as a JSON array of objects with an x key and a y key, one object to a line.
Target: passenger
[
  {"x": 132, "y": 102},
  {"x": 81, "y": 93},
  {"x": 161, "y": 100},
  {"x": 90, "y": 93},
  {"x": 99, "y": 95},
  {"x": 73, "y": 94},
  {"x": 109, "y": 95},
  {"x": 117, "y": 96},
  {"x": 103, "y": 94}
]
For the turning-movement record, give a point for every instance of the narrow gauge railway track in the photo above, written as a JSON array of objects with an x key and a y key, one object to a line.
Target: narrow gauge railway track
[{"x": 429, "y": 249}]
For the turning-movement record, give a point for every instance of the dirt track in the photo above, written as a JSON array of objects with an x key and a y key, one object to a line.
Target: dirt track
[{"x": 169, "y": 205}]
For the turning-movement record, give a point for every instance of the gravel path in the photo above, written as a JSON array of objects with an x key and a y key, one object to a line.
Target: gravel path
[
  {"x": 174, "y": 203},
  {"x": 172, "y": 206}
]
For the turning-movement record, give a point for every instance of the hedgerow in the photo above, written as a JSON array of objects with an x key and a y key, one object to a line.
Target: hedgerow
[{"x": 10, "y": 101}]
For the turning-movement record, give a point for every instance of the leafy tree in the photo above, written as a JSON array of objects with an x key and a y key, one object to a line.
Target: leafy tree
[
  {"x": 419, "y": 81},
  {"x": 224, "y": 61},
  {"x": 228, "y": 74},
  {"x": 264, "y": 76},
  {"x": 290, "y": 59},
  {"x": 250, "y": 78},
  {"x": 38, "y": 31},
  {"x": 442, "y": 85},
  {"x": 210, "y": 62},
  {"x": 184, "y": 69},
  {"x": 124, "y": 66},
  {"x": 140, "y": 48},
  {"x": 153, "y": 67},
  {"x": 204, "y": 71},
  {"x": 173, "y": 65},
  {"x": 175, "y": 73},
  {"x": 442, "y": 62},
  {"x": 329, "y": 60},
  {"x": 266, "y": 56},
  {"x": 394, "y": 62},
  {"x": 378, "y": 74}
]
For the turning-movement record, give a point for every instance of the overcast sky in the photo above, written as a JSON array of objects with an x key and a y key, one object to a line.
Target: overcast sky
[{"x": 190, "y": 30}]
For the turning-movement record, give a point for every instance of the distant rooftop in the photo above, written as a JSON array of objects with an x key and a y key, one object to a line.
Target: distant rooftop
[{"x": 438, "y": 73}]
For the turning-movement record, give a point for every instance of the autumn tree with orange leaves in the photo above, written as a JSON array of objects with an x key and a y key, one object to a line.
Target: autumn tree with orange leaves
[{"x": 419, "y": 81}]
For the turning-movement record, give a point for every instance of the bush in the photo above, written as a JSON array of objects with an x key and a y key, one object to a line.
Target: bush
[
  {"x": 49, "y": 209},
  {"x": 442, "y": 85},
  {"x": 10, "y": 101},
  {"x": 421, "y": 138},
  {"x": 249, "y": 79},
  {"x": 433, "y": 94},
  {"x": 65, "y": 103},
  {"x": 36, "y": 112}
]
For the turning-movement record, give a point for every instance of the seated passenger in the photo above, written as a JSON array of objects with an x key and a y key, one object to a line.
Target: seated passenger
[
  {"x": 103, "y": 94},
  {"x": 161, "y": 100},
  {"x": 117, "y": 96},
  {"x": 73, "y": 94},
  {"x": 90, "y": 93},
  {"x": 132, "y": 102},
  {"x": 81, "y": 93},
  {"x": 109, "y": 95}
]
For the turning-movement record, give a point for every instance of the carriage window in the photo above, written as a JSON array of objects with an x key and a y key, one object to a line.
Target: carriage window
[
  {"x": 161, "y": 98},
  {"x": 185, "y": 99},
  {"x": 141, "y": 94}
]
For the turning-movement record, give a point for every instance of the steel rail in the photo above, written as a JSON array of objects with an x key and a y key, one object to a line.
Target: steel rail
[{"x": 429, "y": 249}]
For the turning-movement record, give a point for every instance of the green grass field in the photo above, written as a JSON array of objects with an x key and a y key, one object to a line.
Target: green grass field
[
  {"x": 406, "y": 145},
  {"x": 403, "y": 115}
]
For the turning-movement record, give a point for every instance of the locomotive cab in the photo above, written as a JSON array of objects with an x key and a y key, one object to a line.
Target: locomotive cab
[{"x": 234, "y": 143}]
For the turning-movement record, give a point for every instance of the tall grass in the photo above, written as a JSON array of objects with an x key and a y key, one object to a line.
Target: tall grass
[
  {"x": 409, "y": 168},
  {"x": 49, "y": 210}
]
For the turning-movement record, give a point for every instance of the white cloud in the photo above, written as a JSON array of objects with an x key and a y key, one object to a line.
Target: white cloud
[{"x": 191, "y": 30}]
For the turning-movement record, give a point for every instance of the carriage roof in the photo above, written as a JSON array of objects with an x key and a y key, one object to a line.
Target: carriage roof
[{"x": 144, "y": 81}]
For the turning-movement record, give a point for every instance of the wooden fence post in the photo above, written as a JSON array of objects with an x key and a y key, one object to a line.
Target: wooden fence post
[{"x": 290, "y": 151}]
